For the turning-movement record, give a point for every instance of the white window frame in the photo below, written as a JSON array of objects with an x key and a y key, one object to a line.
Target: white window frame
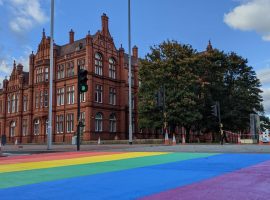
[
  {"x": 98, "y": 93},
  {"x": 98, "y": 64},
  {"x": 36, "y": 127},
  {"x": 112, "y": 68},
  {"x": 112, "y": 122},
  {"x": 99, "y": 122},
  {"x": 112, "y": 96},
  {"x": 12, "y": 129}
]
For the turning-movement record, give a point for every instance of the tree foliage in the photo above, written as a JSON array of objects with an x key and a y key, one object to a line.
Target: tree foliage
[{"x": 191, "y": 82}]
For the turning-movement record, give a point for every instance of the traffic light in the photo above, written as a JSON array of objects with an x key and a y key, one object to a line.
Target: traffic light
[
  {"x": 82, "y": 80},
  {"x": 214, "y": 110}
]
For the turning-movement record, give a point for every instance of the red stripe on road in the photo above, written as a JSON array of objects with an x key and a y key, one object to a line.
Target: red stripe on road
[{"x": 51, "y": 156}]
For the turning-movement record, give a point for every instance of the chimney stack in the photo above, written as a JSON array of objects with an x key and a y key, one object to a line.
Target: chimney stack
[
  {"x": 71, "y": 36},
  {"x": 105, "y": 24},
  {"x": 135, "y": 51}
]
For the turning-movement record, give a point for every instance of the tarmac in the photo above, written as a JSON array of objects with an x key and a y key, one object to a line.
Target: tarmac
[{"x": 194, "y": 148}]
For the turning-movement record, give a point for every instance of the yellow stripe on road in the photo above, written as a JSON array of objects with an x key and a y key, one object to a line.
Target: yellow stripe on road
[{"x": 73, "y": 161}]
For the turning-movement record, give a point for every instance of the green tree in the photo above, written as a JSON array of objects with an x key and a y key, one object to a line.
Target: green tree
[{"x": 172, "y": 66}]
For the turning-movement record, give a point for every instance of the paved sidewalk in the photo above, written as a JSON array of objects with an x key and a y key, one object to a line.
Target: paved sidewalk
[{"x": 207, "y": 148}]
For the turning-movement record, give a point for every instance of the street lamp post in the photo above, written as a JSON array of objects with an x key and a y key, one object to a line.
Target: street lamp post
[
  {"x": 49, "y": 138},
  {"x": 129, "y": 75}
]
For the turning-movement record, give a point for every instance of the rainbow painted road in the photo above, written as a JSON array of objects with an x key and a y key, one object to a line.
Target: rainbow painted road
[{"x": 135, "y": 175}]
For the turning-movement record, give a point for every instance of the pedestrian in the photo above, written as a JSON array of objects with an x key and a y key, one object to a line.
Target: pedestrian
[
  {"x": 222, "y": 134},
  {"x": 3, "y": 139}
]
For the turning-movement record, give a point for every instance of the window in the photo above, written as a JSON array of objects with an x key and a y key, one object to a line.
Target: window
[
  {"x": 37, "y": 99},
  {"x": 39, "y": 74},
  {"x": 70, "y": 69},
  {"x": 17, "y": 103},
  {"x": 132, "y": 78},
  {"x": 70, "y": 122},
  {"x": 112, "y": 68},
  {"x": 46, "y": 126},
  {"x": 59, "y": 123},
  {"x": 12, "y": 129},
  {"x": 25, "y": 103},
  {"x": 13, "y": 103},
  {"x": 98, "y": 122},
  {"x": 112, "y": 96},
  {"x": 60, "y": 96},
  {"x": 98, "y": 94},
  {"x": 1, "y": 106},
  {"x": 98, "y": 64},
  {"x": 112, "y": 123},
  {"x": 81, "y": 63},
  {"x": 60, "y": 71},
  {"x": 83, "y": 120},
  {"x": 82, "y": 97},
  {"x": 46, "y": 98},
  {"x": 8, "y": 104},
  {"x": 41, "y": 99},
  {"x": 24, "y": 127},
  {"x": 36, "y": 127},
  {"x": 46, "y": 74},
  {"x": 70, "y": 95}
]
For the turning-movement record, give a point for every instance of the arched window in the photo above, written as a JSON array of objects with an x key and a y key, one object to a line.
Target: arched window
[
  {"x": 112, "y": 123},
  {"x": 12, "y": 129},
  {"x": 112, "y": 68},
  {"x": 98, "y": 64},
  {"x": 36, "y": 127},
  {"x": 98, "y": 122}
]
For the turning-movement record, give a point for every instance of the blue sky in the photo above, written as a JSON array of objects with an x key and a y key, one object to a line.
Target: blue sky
[{"x": 242, "y": 26}]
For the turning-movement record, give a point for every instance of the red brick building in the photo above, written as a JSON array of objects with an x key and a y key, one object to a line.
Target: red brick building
[{"x": 24, "y": 97}]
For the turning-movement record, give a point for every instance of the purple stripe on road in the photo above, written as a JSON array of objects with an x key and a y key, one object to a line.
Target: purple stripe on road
[{"x": 248, "y": 184}]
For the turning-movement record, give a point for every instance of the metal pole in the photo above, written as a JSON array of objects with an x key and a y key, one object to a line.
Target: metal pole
[
  {"x": 78, "y": 112},
  {"x": 49, "y": 138},
  {"x": 129, "y": 75}
]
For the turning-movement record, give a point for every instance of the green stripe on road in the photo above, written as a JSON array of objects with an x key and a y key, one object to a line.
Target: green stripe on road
[{"x": 13, "y": 179}]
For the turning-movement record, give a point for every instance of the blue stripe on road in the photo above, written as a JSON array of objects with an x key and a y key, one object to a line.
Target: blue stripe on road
[{"x": 135, "y": 183}]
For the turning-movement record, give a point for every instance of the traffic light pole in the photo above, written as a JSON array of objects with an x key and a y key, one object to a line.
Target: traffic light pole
[{"x": 78, "y": 112}]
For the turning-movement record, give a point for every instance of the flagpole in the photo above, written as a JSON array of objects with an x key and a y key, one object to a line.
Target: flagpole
[{"x": 49, "y": 138}]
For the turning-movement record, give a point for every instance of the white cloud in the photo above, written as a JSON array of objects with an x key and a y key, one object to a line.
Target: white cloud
[
  {"x": 6, "y": 63},
  {"x": 25, "y": 15},
  {"x": 266, "y": 102},
  {"x": 251, "y": 15},
  {"x": 264, "y": 75}
]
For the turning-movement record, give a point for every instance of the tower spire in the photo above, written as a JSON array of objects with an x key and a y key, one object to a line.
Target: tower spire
[{"x": 209, "y": 46}]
